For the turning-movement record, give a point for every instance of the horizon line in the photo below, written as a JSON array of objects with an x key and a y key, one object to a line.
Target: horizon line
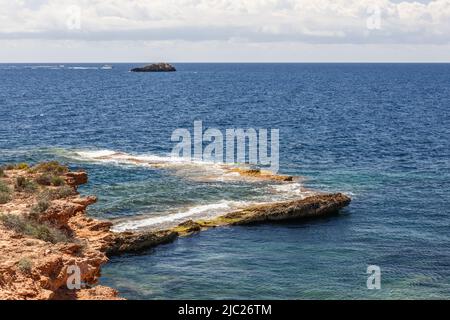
[{"x": 235, "y": 62}]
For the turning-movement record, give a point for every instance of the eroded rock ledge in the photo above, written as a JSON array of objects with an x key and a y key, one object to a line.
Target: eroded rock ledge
[
  {"x": 33, "y": 265},
  {"x": 309, "y": 208}
]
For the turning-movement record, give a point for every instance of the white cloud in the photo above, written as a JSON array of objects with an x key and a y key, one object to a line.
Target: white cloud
[{"x": 307, "y": 21}]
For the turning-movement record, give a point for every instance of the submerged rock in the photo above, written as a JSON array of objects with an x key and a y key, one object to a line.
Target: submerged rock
[
  {"x": 187, "y": 227},
  {"x": 136, "y": 241},
  {"x": 262, "y": 174},
  {"x": 155, "y": 67}
]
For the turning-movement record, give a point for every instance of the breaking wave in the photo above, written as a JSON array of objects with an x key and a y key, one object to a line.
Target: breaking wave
[{"x": 171, "y": 219}]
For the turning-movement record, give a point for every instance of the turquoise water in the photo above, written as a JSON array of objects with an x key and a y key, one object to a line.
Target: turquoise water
[{"x": 379, "y": 132}]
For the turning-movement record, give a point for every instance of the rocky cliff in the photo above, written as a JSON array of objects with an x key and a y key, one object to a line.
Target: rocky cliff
[{"x": 44, "y": 230}]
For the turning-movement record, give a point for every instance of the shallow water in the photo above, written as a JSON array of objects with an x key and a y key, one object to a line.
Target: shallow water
[{"x": 380, "y": 133}]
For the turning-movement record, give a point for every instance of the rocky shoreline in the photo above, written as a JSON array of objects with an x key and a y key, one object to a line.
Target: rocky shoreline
[{"x": 44, "y": 230}]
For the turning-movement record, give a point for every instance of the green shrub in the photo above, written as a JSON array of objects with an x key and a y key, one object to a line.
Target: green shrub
[
  {"x": 34, "y": 229},
  {"x": 4, "y": 188},
  {"x": 65, "y": 192},
  {"x": 44, "y": 179},
  {"x": 25, "y": 185},
  {"x": 53, "y": 167},
  {"x": 39, "y": 208},
  {"x": 18, "y": 166},
  {"x": 25, "y": 265},
  {"x": 21, "y": 166},
  {"x": 47, "y": 179},
  {"x": 2, "y": 172},
  {"x": 5, "y": 193},
  {"x": 4, "y": 198},
  {"x": 57, "y": 181}
]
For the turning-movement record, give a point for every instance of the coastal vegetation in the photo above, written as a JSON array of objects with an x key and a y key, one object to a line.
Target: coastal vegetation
[
  {"x": 5, "y": 193},
  {"x": 21, "y": 166},
  {"x": 57, "y": 181},
  {"x": 57, "y": 193},
  {"x": 25, "y": 265},
  {"x": 4, "y": 198},
  {"x": 44, "y": 180},
  {"x": 47, "y": 179},
  {"x": 23, "y": 184},
  {"x": 17, "y": 166},
  {"x": 51, "y": 167},
  {"x": 39, "y": 208},
  {"x": 28, "y": 223},
  {"x": 30, "y": 227}
]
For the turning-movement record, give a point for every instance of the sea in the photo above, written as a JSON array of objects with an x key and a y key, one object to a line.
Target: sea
[{"x": 379, "y": 133}]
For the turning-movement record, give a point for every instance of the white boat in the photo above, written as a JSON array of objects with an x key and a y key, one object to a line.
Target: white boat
[{"x": 107, "y": 67}]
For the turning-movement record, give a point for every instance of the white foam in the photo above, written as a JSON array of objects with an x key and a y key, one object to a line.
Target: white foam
[
  {"x": 290, "y": 191},
  {"x": 94, "y": 154},
  {"x": 83, "y": 68},
  {"x": 197, "y": 170},
  {"x": 40, "y": 67},
  {"x": 111, "y": 156},
  {"x": 291, "y": 188},
  {"x": 200, "y": 211}
]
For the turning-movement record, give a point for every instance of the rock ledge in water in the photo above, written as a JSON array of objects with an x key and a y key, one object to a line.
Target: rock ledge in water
[
  {"x": 156, "y": 67},
  {"x": 317, "y": 206}
]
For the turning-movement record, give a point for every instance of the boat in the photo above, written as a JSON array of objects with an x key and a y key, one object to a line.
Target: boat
[{"x": 107, "y": 67}]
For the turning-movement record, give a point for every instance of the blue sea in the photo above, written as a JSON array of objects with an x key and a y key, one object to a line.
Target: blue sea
[{"x": 377, "y": 132}]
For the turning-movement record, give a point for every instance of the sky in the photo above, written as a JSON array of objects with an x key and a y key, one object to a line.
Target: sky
[{"x": 224, "y": 31}]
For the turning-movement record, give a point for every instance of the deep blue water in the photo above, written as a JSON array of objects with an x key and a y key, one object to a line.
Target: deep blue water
[{"x": 379, "y": 132}]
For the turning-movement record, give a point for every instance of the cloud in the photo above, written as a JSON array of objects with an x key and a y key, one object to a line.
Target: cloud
[{"x": 306, "y": 21}]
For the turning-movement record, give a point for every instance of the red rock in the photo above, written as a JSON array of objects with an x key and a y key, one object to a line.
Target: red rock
[{"x": 76, "y": 178}]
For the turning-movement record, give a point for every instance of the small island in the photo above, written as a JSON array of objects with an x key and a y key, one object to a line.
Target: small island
[{"x": 155, "y": 67}]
